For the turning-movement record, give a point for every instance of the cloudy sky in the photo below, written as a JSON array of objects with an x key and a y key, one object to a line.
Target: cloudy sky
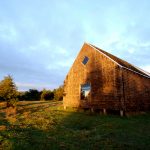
[{"x": 39, "y": 39}]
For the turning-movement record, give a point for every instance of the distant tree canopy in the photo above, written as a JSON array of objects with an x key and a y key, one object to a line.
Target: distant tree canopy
[
  {"x": 47, "y": 95},
  {"x": 8, "y": 91},
  {"x": 35, "y": 95},
  {"x": 31, "y": 95}
]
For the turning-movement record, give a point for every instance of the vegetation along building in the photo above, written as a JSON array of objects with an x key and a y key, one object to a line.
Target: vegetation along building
[{"x": 100, "y": 81}]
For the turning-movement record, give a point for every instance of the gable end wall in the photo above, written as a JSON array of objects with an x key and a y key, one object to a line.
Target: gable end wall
[{"x": 105, "y": 78}]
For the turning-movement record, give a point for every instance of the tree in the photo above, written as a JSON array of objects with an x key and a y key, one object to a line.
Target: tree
[
  {"x": 58, "y": 93},
  {"x": 8, "y": 91},
  {"x": 33, "y": 95},
  {"x": 47, "y": 95},
  {"x": 43, "y": 95},
  {"x": 21, "y": 95}
]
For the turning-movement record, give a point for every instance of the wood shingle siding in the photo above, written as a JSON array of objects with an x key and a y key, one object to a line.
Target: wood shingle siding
[{"x": 115, "y": 84}]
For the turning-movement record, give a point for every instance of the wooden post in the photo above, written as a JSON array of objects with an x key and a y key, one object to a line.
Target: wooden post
[
  {"x": 65, "y": 107},
  {"x": 104, "y": 111},
  {"x": 121, "y": 113},
  {"x": 92, "y": 110}
]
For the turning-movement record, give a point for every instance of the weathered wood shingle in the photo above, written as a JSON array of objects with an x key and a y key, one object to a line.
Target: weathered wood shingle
[{"x": 115, "y": 83}]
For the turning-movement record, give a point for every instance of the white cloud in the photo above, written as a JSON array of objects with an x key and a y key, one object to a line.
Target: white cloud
[
  {"x": 38, "y": 43},
  {"x": 8, "y": 33},
  {"x": 61, "y": 50},
  {"x": 24, "y": 86},
  {"x": 131, "y": 50},
  {"x": 41, "y": 44}
]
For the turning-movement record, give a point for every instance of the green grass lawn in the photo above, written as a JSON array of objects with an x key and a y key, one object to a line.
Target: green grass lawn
[{"x": 46, "y": 126}]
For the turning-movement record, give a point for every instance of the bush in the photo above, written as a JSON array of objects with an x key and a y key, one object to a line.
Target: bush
[{"x": 8, "y": 91}]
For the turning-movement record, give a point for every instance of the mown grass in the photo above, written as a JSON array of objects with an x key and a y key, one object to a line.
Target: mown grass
[{"x": 46, "y": 126}]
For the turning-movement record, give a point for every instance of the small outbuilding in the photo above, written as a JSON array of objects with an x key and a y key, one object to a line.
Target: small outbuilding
[{"x": 99, "y": 80}]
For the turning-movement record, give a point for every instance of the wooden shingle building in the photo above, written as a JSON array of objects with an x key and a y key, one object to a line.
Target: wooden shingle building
[{"x": 98, "y": 80}]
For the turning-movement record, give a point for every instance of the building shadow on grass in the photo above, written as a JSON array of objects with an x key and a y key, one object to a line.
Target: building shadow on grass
[{"x": 56, "y": 129}]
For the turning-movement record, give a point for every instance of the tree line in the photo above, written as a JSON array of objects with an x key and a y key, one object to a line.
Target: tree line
[
  {"x": 34, "y": 94},
  {"x": 10, "y": 94}
]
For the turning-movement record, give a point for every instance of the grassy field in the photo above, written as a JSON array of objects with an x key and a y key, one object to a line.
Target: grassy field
[{"x": 46, "y": 126}]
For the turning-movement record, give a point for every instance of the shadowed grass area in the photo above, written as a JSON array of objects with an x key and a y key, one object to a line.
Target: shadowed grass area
[{"x": 47, "y": 126}]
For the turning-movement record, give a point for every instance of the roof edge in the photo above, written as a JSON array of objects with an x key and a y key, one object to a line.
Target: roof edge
[
  {"x": 136, "y": 72},
  {"x": 147, "y": 76},
  {"x": 105, "y": 55}
]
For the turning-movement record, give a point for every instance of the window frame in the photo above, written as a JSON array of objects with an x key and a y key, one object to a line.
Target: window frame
[
  {"x": 86, "y": 61},
  {"x": 89, "y": 95}
]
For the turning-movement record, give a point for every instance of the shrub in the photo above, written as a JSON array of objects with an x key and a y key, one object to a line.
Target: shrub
[{"x": 8, "y": 91}]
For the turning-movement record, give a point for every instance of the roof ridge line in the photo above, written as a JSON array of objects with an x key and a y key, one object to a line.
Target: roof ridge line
[
  {"x": 104, "y": 55},
  {"x": 147, "y": 73},
  {"x": 136, "y": 72},
  {"x": 117, "y": 62}
]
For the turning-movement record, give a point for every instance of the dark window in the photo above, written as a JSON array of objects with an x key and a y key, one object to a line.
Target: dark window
[
  {"x": 85, "y": 60},
  {"x": 85, "y": 91}
]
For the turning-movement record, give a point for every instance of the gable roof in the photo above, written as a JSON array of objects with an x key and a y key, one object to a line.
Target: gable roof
[{"x": 122, "y": 63}]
